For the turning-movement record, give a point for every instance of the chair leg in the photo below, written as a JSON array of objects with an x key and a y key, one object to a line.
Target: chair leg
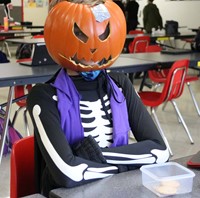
[
  {"x": 160, "y": 130},
  {"x": 25, "y": 119},
  {"x": 193, "y": 98},
  {"x": 157, "y": 85},
  {"x": 163, "y": 108},
  {"x": 182, "y": 121},
  {"x": 164, "y": 105},
  {"x": 15, "y": 115},
  {"x": 26, "y": 123},
  {"x": 184, "y": 45},
  {"x": 144, "y": 83},
  {"x": 7, "y": 48}
]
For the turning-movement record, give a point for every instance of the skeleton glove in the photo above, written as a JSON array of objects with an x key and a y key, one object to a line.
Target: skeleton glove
[{"x": 89, "y": 149}]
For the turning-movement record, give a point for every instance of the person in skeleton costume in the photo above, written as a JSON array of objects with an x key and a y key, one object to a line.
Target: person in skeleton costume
[
  {"x": 7, "y": 7},
  {"x": 82, "y": 117}
]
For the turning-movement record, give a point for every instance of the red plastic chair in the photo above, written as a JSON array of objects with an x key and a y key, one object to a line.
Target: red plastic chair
[
  {"x": 139, "y": 44},
  {"x": 136, "y": 32},
  {"x": 172, "y": 89},
  {"x": 153, "y": 48},
  {"x": 22, "y": 176},
  {"x": 190, "y": 41},
  {"x": 159, "y": 76},
  {"x": 4, "y": 43},
  {"x": 20, "y": 91}
]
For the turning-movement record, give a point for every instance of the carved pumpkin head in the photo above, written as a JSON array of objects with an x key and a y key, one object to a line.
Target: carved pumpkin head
[{"x": 79, "y": 37}]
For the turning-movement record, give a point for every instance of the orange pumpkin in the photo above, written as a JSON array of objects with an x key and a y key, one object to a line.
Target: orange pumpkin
[{"x": 97, "y": 43}]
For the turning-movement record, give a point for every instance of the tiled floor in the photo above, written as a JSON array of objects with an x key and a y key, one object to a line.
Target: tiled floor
[{"x": 174, "y": 131}]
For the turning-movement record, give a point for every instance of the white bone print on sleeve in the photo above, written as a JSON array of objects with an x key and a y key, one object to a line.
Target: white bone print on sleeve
[{"x": 76, "y": 173}]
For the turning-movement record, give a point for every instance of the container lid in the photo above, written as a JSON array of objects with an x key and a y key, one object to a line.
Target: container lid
[{"x": 160, "y": 171}]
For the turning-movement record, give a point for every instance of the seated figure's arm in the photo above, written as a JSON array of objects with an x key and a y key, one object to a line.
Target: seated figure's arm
[
  {"x": 149, "y": 147},
  {"x": 67, "y": 169}
]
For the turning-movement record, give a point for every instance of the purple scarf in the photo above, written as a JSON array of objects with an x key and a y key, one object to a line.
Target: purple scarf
[{"x": 69, "y": 108}]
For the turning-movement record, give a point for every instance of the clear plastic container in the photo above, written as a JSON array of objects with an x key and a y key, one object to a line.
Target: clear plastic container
[{"x": 167, "y": 178}]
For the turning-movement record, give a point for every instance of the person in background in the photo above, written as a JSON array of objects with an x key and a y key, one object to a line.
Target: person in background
[
  {"x": 120, "y": 4},
  {"x": 132, "y": 8},
  {"x": 7, "y": 7},
  {"x": 151, "y": 17},
  {"x": 83, "y": 116}
]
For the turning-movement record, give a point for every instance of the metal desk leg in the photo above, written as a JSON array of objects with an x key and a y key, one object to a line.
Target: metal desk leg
[{"x": 5, "y": 124}]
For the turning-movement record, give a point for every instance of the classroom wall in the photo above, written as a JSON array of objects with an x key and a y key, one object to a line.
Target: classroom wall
[
  {"x": 185, "y": 12},
  {"x": 36, "y": 13},
  {"x": 15, "y": 13}
]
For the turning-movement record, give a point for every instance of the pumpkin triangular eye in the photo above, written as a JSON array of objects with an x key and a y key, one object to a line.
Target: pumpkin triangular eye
[
  {"x": 79, "y": 34},
  {"x": 106, "y": 33}
]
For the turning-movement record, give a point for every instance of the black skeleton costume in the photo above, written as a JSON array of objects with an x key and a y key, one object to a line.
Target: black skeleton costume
[
  {"x": 60, "y": 164},
  {"x": 82, "y": 117}
]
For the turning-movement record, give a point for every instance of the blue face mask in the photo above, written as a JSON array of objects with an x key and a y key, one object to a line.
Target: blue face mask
[{"x": 89, "y": 76}]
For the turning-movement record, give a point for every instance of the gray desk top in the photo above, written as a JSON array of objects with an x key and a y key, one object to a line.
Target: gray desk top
[
  {"x": 26, "y": 40},
  {"x": 182, "y": 35},
  {"x": 128, "y": 185},
  {"x": 16, "y": 74},
  {"x": 34, "y": 196},
  {"x": 166, "y": 59},
  {"x": 130, "y": 64},
  {"x": 18, "y": 33}
]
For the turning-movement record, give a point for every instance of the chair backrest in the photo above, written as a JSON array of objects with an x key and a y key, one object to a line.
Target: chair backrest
[
  {"x": 22, "y": 176},
  {"x": 153, "y": 48},
  {"x": 21, "y": 90},
  {"x": 156, "y": 75},
  {"x": 136, "y": 32},
  {"x": 139, "y": 44},
  {"x": 38, "y": 36},
  {"x": 174, "y": 84}
]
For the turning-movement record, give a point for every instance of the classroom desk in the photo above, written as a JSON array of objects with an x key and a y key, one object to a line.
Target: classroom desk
[
  {"x": 128, "y": 184},
  {"x": 131, "y": 65},
  {"x": 33, "y": 26},
  {"x": 159, "y": 37},
  {"x": 25, "y": 40},
  {"x": 12, "y": 74},
  {"x": 182, "y": 35},
  {"x": 19, "y": 33},
  {"x": 194, "y": 29},
  {"x": 167, "y": 60}
]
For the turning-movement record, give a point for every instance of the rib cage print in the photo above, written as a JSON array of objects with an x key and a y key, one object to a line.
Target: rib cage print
[{"x": 95, "y": 122}]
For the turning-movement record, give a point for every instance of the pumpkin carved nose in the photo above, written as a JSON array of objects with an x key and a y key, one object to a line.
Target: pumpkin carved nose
[{"x": 93, "y": 50}]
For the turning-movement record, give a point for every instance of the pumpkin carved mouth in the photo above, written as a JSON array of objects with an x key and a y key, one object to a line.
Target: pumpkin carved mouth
[{"x": 83, "y": 62}]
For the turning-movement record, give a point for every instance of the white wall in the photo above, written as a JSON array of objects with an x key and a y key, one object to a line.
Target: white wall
[
  {"x": 16, "y": 2},
  {"x": 36, "y": 15},
  {"x": 185, "y": 12}
]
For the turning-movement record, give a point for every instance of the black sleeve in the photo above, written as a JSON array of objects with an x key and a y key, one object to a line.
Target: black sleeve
[
  {"x": 149, "y": 146},
  {"x": 67, "y": 169}
]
